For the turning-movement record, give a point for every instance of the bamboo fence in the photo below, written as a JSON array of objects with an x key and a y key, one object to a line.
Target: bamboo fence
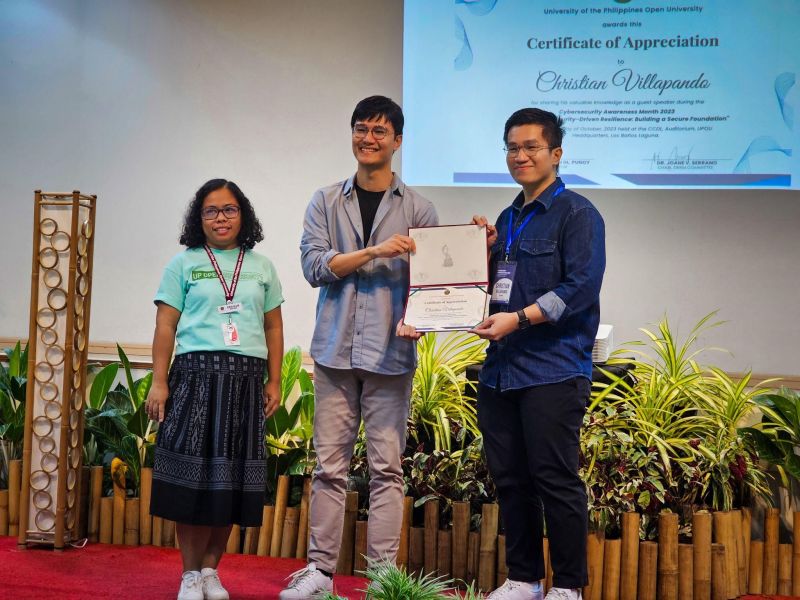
[{"x": 721, "y": 560}]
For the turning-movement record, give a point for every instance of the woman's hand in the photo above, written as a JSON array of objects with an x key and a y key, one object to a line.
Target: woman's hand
[
  {"x": 272, "y": 398},
  {"x": 156, "y": 401},
  {"x": 491, "y": 230}
]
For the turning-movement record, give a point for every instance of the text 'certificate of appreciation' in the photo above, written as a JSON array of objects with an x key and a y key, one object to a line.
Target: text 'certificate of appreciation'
[{"x": 449, "y": 278}]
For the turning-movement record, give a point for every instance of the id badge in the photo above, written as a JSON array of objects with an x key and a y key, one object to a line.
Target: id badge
[
  {"x": 503, "y": 282},
  {"x": 230, "y": 334},
  {"x": 229, "y": 307}
]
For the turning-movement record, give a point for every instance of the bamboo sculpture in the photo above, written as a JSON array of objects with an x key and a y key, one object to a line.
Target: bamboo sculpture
[
  {"x": 61, "y": 272},
  {"x": 473, "y": 555},
  {"x": 281, "y": 500},
  {"x": 444, "y": 553},
  {"x": 719, "y": 571},
  {"x": 234, "y": 540},
  {"x": 158, "y": 531},
  {"x": 724, "y": 534},
  {"x": 668, "y": 556},
  {"x": 291, "y": 524},
  {"x": 250, "y": 545},
  {"x": 14, "y": 484},
  {"x": 755, "y": 579},
  {"x": 747, "y": 525},
  {"x": 131, "y": 534},
  {"x": 796, "y": 554},
  {"x": 741, "y": 565},
  {"x": 416, "y": 550},
  {"x": 265, "y": 535},
  {"x": 784, "y": 569},
  {"x": 701, "y": 545},
  {"x": 648, "y": 561},
  {"x": 502, "y": 569},
  {"x": 612, "y": 550},
  {"x": 431, "y": 530},
  {"x": 460, "y": 538},
  {"x": 95, "y": 493},
  {"x": 405, "y": 532},
  {"x": 302, "y": 531},
  {"x": 629, "y": 567},
  {"x": 594, "y": 562},
  {"x": 106, "y": 519},
  {"x": 487, "y": 559},
  {"x": 770, "y": 575},
  {"x": 360, "y": 558},
  {"x": 145, "y": 520},
  {"x": 685, "y": 572},
  {"x": 3, "y": 512}
]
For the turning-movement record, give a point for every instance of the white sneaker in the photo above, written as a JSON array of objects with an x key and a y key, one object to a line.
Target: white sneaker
[
  {"x": 517, "y": 590},
  {"x": 191, "y": 586},
  {"x": 212, "y": 586},
  {"x": 563, "y": 594},
  {"x": 306, "y": 583}
]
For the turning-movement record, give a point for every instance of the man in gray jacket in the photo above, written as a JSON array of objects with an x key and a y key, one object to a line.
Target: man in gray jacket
[{"x": 355, "y": 249}]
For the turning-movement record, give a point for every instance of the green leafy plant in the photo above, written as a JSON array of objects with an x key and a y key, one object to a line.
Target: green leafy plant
[
  {"x": 389, "y": 582},
  {"x": 666, "y": 435},
  {"x": 777, "y": 435},
  {"x": 289, "y": 431},
  {"x": 438, "y": 395},
  {"x": 13, "y": 389},
  {"x": 116, "y": 423}
]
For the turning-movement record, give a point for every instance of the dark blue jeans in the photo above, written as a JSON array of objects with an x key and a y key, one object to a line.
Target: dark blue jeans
[{"x": 531, "y": 437}]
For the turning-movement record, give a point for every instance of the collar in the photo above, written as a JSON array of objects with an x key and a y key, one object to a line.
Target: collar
[
  {"x": 545, "y": 198},
  {"x": 397, "y": 186}
]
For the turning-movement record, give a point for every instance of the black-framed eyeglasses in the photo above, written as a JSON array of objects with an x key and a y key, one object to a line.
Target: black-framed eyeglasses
[
  {"x": 529, "y": 149},
  {"x": 211, "y": 212},
  {"x": 378, "y": 132}
]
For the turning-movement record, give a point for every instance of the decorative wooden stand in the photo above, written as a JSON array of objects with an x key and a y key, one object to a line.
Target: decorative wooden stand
[{"x": 61, "y": 284}]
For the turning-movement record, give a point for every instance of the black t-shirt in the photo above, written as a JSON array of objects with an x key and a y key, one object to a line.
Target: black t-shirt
[{"x": 368, "y": 203}]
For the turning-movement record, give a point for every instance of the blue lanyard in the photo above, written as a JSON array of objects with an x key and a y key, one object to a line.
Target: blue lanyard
[{"x": 512, "y": 236}]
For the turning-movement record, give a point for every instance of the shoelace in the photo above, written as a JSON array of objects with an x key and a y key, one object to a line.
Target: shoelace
[
  {"x": 191, "y": 580},
  {"x": 300, "y": 576},
  {"x": 507, "y": 587}
]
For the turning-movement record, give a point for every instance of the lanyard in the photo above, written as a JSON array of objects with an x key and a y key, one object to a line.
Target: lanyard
[
  {"x": 229, "y": 291},
  {"x": 513, "y": 234}
]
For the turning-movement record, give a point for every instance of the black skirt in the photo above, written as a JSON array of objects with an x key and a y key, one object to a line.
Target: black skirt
[{"x": 209, "y": 466}]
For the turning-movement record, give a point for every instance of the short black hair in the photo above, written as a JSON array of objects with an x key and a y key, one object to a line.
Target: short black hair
[
  {"x": 192, "y": 235},
  {"x": 552, "y": 126},
  {"x": 376, "y": 107}
]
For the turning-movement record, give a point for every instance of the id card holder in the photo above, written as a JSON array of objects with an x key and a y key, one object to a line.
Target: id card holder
[
  {"x": 503, "y": 282},
  {"x": 229, "y": 307},
  {"x": 230, "y": 334}
]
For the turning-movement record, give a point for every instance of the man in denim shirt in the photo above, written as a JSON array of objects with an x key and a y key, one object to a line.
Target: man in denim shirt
[
  {"x": 355, "y": 250},
  {"x": 547, "y": 257}
]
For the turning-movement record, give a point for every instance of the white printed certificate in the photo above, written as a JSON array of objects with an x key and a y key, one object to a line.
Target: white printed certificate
[{"x": 449, "y": 277}]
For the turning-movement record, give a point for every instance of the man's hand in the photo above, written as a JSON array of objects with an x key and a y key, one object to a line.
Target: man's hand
[
  {"x": 408, "y": 332},
  {"x": 491, "y": 230},
  {"x": 497, "y": 326},
  {"x": 394, "y": 246},
  {"x": 156, "y": 401},
  {"x": 272, "y": 398}
]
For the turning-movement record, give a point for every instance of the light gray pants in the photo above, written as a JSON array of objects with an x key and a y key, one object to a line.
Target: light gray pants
[{"x": 342, "y": 398}]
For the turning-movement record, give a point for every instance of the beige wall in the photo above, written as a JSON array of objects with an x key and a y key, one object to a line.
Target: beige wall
[{"x": 139, "y": 102}]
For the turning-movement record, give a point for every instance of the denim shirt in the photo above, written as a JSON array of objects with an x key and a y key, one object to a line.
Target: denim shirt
[
  {"x": 560, "y": 259},
  {"x": 357, "y": 314}
]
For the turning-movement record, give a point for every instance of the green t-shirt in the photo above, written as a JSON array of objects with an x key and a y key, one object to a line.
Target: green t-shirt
[{"x": 190, "y": 285}]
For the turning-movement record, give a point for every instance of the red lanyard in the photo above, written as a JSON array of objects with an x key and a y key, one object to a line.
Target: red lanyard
[{"x": 229, "y": 291}]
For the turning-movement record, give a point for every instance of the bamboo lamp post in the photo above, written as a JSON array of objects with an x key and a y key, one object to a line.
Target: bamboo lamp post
[{"x": 61, "y": 282}]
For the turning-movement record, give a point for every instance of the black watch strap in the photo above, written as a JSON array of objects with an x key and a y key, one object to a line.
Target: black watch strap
[{"x": 524, "y": 323}]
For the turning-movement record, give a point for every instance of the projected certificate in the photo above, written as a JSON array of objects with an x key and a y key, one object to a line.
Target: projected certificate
[
  {"x": 448, "y": 278},
  {"x": 673, "y": 93}
]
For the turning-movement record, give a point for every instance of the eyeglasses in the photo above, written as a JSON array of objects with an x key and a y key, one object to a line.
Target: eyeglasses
[
  {"x": 212, "y": 212},
  {"x": 378, "y": 132},
  {"x": 528, "y": 149}
]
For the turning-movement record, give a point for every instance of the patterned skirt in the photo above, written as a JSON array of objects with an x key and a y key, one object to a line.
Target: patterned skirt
[{"x": 209, "y": 466}]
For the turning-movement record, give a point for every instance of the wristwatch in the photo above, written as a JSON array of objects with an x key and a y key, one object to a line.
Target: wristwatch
[{"x": 524, "y": 323}]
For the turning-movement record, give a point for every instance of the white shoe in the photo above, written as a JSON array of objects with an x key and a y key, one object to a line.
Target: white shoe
[
  {"x": 212, "y": 586},
  {"x": 306, "y": 583},
  {"x": 517, "y": 590},
  {"x": 191, "y": 586},
  {"x": 563, "y": 594}
]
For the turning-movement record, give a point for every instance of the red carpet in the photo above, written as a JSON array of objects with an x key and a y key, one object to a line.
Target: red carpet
[{"x": 147, "y": 573}]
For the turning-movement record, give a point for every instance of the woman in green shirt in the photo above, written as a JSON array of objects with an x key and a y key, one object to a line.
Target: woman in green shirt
[{"x": 220, "y": 302}]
